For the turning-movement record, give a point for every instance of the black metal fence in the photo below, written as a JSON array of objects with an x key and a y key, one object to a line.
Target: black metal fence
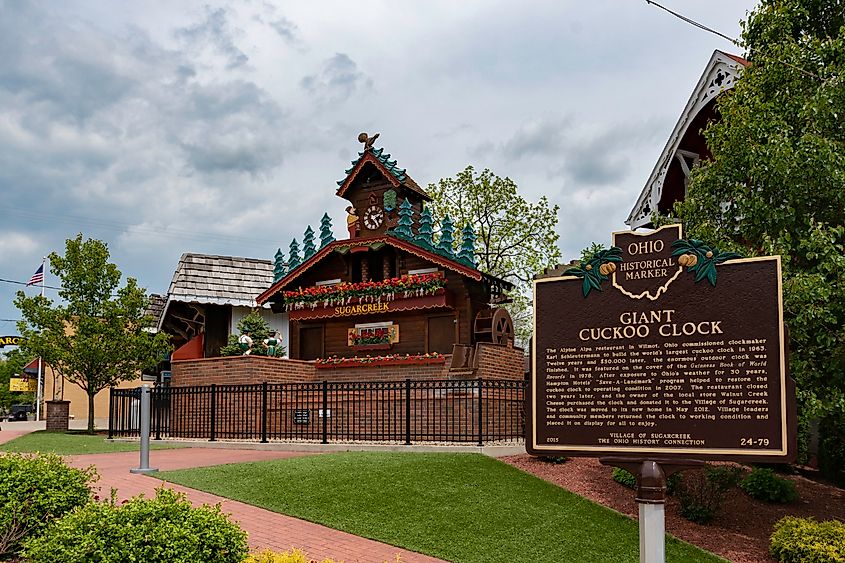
[{"x": 467, "y": 411}]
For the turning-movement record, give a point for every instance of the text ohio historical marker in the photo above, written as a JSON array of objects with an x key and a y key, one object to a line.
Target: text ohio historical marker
[{"x": 662, "y": 347}]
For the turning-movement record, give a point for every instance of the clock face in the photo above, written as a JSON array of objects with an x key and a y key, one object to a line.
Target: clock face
[{"x": 373, "y": 217}]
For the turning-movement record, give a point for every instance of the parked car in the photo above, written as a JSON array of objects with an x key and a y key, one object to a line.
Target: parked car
[{"x": 19, "y": 412}]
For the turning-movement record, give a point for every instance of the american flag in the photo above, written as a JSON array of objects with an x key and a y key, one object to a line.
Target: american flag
[{"x": 38, "y": 276}]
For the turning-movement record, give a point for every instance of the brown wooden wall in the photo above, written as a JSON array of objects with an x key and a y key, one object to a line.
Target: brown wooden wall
[{"x": 468, "y": 297}]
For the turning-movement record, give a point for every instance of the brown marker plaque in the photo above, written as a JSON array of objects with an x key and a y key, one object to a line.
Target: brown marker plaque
[{"x": 655, "y": 364}]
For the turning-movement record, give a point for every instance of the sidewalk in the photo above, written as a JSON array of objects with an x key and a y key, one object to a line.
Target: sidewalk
[{"x": 266, "y": 529}]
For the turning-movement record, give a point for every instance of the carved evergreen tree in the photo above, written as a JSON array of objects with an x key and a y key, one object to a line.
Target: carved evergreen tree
[
  {"x": 445, "y": 244},
  {"x": 406, "y": 220},
  {"x": 326, "y": 235},
  {"x": 308, "y": 247},
  {"x": 467, "y": 253},
  {"x": 279, "y": 266},
  {"x": 424, "y": 233},
  {"x": 294, "y": 259}
]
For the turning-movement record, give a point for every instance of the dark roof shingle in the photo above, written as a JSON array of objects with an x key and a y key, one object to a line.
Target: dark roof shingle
[{"x": 219, "y": 280}]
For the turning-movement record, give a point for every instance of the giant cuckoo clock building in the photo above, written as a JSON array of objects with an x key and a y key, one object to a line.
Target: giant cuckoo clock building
[{"x": 396, "y": 284}]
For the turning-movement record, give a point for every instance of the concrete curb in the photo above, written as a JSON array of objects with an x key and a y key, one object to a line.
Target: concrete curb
[{"x": 314, "y": 447}]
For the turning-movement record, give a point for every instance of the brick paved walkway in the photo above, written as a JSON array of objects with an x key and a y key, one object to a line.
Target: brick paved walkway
[
  {"x": 266, "y": 529},
  {"x": 9, "y": 435}
]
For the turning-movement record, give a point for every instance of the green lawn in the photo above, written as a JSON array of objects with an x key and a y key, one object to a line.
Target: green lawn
[
  {"x": 459, "y": 507},
  {"x": 71, "y": 443}
]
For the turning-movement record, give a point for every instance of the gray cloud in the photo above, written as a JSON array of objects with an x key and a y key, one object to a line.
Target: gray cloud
[
  {"x": 216, "y": 31},
  {"x": 337, "y": 80},
  {"x": 542, "y": 137},
  {"x": 285, "y": 28},
  {"x": 170, "y": 126}
]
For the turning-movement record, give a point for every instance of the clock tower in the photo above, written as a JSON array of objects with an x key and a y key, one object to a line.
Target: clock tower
[{"x": 376, "y": 186}]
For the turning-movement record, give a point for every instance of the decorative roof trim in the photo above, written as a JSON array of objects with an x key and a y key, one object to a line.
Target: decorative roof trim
[
  {"x": 385, "y": 239},
  {"x": 719, "y": 75},
  {"x": 395, "y": 175}
]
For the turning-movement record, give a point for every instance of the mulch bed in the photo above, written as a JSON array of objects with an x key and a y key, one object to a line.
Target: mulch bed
[{"x": 739, "y": 533}]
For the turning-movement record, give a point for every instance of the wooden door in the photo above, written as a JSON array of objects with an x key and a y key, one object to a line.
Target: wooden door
[
  {"x": 441, "y": 334},
  {"x": 310, "y": 342}
]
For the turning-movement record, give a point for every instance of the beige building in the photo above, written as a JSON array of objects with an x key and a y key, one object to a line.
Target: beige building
[{"x": 56, "y": 387}]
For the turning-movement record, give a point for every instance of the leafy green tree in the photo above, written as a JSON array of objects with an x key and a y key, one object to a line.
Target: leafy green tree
[
  {"x": 258, "y": 330},
  {"x": 516, "y": 239},
  {"x": 100, "y": 334},
  {"x": 776, "y": 185}
]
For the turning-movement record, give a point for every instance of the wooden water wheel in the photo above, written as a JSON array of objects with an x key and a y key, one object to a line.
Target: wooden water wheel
[{"x": 493, "y": 325}]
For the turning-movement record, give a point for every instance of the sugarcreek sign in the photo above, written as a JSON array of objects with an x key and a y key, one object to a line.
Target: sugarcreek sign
[
  {"x": 662, "y": 347},
  {"x": 10, "y": 341}
]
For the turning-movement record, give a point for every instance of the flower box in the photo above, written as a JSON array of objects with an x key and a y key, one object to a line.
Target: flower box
[
  {"x": 411, "y": 285},
  {"x": 387, "y": 360},
  {"x": 440, "y": 298}
]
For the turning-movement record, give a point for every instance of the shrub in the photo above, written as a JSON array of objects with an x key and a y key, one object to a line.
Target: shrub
[
  {"x": 628, "y": 479},
  {"x": 700, "y": 493},
  {"x": 803, "y": 540},
  {"x": 554, "y": 459},
  {"x": 34, "y": 490},
  {"x": 164, "y": 529},
  {"x": 624, "y": 477},
  {"x": 763, "y": 484},
  {"x": 673, "y": 481},
  {"x": 725, "y": 477}
]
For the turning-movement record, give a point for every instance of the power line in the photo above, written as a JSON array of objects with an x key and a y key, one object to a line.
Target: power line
[
  {"x": 731, "y": 39},
  {"x": 695, "y": 23},
  {"x": 26, "y": 284}
]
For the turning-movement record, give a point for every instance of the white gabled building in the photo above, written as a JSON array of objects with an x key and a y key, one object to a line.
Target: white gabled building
[{"x": 686, "y": 145}]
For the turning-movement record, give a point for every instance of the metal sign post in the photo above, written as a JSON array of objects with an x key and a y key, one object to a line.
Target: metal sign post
[{"x": 145, "y": 433}]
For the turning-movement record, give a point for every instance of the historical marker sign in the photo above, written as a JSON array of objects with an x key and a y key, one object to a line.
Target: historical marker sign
[{"x": 662, "y": 347}]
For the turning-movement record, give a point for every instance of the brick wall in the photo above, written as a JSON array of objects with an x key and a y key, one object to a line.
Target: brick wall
[
  {"x": 58, "y": 413},
  {"x": 437, "y": 410},
  {"x": 240, "y": 370},
  {"x": 490, "y": 362},
  {"x": 493, "y": 361}
]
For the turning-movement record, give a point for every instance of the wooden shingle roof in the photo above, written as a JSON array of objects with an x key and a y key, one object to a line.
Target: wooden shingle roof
[
  {"x": 219, "y": 280},
  {"x": 156, "y": 306}
]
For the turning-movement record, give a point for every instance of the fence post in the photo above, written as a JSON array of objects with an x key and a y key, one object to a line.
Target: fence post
[
  {"x": 156, "y": 397},
  {"x": 264, "y": 413},
  {"x": 213, "y": 417},
  {"x": 111, "y": 412},
  {"x": 480, "y": 414},
  {"x": 407, "y": 412},
  {"x": 325, "y": 412}
]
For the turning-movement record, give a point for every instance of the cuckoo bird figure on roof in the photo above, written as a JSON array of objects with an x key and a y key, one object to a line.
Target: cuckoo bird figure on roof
[{"x": 367, "y": 140}]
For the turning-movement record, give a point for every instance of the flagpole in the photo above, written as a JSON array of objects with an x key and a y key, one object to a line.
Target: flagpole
[{"x": 40, "y": 391}]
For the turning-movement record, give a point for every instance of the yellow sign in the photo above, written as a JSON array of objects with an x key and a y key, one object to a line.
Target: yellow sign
[
  {"x": 23, "y": 385},
  {"x": 9, "y": 340},
  {"x": 361, "y": 309}
]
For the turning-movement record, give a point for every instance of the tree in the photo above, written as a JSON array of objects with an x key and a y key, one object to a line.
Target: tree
[
  {"x": 776, "y": 185},
  {"x": 257, "y": 329},
  {"x": 100, "y": 335},
  {"x": 516, "y": 239}
]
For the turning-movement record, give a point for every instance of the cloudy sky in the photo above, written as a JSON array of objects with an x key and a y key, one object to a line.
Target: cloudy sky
[{"x": 165, "y": 127}]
